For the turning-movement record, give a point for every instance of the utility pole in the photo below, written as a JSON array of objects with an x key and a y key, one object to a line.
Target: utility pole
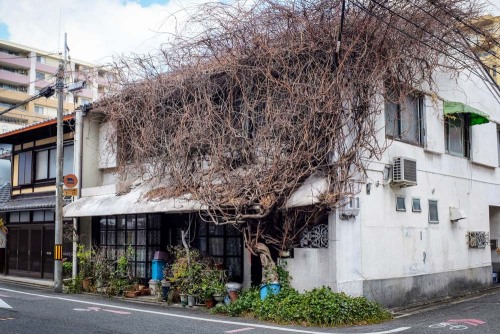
[{"x": 59, "y": 174}]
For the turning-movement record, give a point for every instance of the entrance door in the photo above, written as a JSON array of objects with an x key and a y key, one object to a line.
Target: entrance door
[{"x": 26, "y": 251}]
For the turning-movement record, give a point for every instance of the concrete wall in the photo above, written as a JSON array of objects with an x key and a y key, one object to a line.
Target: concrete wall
[
  {"x": 401, "y": 291},
  {"x": 397, "y": 257}
]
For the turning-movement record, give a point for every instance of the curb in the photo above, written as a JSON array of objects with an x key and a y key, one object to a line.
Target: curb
[{"x": 422, "y": 306}]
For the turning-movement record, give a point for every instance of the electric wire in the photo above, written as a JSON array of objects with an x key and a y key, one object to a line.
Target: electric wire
[
  {"x": 429, "y": 33},
  {"x": 468, "y": 25},
  {"x": 456, "y": 29},
  {"x": 460, "y": 61}
]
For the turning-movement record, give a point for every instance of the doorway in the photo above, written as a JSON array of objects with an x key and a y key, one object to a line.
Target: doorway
[{"x": 30, "y": 251}]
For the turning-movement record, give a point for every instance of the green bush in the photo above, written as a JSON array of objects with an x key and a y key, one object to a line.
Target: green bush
[{"x": 318, "y": 307}]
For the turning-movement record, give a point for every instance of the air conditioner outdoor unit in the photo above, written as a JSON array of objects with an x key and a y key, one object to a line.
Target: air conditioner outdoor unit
[{"x": 404, "y": 172}]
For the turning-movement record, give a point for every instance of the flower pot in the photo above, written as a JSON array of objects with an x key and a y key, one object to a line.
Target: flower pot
[
  {"x": 233, "y": 295},
  {"x": 219, "y": 299},
  {"x": 164, "y": 291},
  {"x": 184, "y": 299},
  {"x": 271, "y": 288},
  {"x": 131, "y": 294},
  {"x": 209, "y": 303},
  {"x": 191, "y": 300},
  {"x": 86, "y": 284}
]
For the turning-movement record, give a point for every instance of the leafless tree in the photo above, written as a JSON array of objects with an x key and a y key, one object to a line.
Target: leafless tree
[{"x": 242, "y": 113}]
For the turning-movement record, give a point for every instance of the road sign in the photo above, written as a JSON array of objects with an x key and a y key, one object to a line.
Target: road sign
[
  {"x": 70, "y": 192},
  {"x": 70, "y": 180}
]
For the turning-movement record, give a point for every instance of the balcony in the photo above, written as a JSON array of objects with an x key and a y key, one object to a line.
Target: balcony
[
  {"x": 14, "y": 78},
  {"x": 85, "y": 93},
  {"x": 46, "y": 68},
  {"x": 13, "y": 96},
  {"x": 14, "y": 61}
]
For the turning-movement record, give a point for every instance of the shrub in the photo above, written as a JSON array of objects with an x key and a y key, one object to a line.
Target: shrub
[{"x": 318, "y": 307}]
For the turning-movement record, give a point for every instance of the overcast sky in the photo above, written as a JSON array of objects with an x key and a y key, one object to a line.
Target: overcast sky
[{"x": 98, "y": 29}]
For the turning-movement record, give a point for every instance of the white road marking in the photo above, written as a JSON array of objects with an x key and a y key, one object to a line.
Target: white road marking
[
  {"x": 240, "y": 330},
  {"x": 173, "y": 315},
  {"x": 4, "y": 304}
]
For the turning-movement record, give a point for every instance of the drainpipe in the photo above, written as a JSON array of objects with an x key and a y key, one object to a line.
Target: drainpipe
[{"x": 78, "y": 147}]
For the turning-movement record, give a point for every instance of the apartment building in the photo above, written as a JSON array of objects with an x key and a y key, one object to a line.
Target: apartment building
[
  {"x": 487, "y": 46},
  {"x": 24, "y": 71}
]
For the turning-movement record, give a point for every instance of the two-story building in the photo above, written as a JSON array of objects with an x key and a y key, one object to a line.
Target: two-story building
[
  {"x": 424, "y": 224},
  {"x": 29, "y": 212}
]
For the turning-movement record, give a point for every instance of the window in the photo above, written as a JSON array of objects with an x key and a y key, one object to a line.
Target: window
[
  {"x": 224, "y": 243},
  {"x": 457, "y": 135},
  {"x": 400, "y": 203},
  {"x": 433, "y": 212},
  {"x": 40, "y": 76},
  {"x": 415, "y": 205},
  {"x": 45, "y": 162},
  {"x": 41, "y": 59},
  {"x": 39, "y": 110},
  {"x": 24, "y": 169},
  {"x": 404, "y": 121},
  {"x": 140, "y": 232}
]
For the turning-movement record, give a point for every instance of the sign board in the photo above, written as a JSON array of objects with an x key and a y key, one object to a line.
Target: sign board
[
  {"x": 70, "y": 192},
  {"x": 70, "y": 180}
]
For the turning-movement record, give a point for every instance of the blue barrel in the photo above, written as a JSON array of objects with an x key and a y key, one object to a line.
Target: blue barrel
[
  {"x": 266, "y": 289},
  {"x": 157, "y": 269}
]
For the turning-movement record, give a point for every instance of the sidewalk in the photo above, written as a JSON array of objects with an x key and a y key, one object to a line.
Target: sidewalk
[{"x": 41, "y": 283}]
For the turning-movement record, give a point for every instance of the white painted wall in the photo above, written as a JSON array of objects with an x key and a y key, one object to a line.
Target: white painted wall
[{"x": 382, "y": 243}]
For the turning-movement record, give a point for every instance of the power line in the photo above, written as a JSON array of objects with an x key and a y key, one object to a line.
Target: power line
[
  {"x": 459, "y": 19},
  {"x": 468, "y": 40},
  {"x": 429, "y": 33},
  {"x": 362, "y": 7}
]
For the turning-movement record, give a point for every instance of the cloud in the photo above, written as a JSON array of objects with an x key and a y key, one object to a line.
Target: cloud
[{"x": 96, "y": 29}]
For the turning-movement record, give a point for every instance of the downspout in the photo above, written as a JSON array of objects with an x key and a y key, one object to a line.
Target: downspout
[{"x": 78, "y": 147}]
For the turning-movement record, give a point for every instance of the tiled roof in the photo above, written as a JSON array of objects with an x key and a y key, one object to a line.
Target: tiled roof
[
  {"x": 28, "y": 203},
  {"x": 27, "y": 127},
  {"x": 4, "y": 192}
]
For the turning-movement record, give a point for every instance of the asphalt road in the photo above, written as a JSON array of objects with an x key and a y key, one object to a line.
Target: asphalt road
[{"x": 30, "y": 310}]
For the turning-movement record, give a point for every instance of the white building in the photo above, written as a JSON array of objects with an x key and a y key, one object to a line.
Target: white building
[
  {"x": 414, "y": 242},
  {"x": 399, "y": 241}
]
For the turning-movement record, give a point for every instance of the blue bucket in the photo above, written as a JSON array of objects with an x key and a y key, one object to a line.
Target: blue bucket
[
  {"x": 157, "y": 269},
  {"x": 273, "y": 288}
]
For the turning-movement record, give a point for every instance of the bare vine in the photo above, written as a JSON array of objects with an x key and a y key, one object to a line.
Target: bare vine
[{"x": 242, "y": 113}]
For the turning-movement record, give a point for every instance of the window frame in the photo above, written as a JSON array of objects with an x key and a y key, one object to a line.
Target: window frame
[
  {"x": 420, "y": 126},
  {"x": 419, "y": 204},
  {"x": 21, "y": 183},
  {"x": 398, "y": 209},
  {"x": 437, "y": 211},
  {"x": 466, "y": 135},
  {"x": 125, "y": 224}
]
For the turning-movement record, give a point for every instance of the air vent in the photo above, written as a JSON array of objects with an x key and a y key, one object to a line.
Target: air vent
[{"x": 404, "y": 172}]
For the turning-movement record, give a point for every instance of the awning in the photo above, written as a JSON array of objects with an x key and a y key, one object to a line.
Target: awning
[
  {"x": 133, "y": 202},
  {"x": 308, "y": 193},
  {"x": 476, "y": 116}
]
